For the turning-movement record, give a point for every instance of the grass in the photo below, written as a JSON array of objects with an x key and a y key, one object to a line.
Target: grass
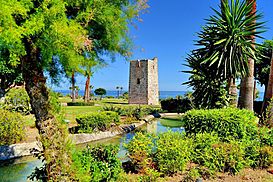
[
  {"x": 170, "y": 122},
  {"x": 71, "y": 112}
]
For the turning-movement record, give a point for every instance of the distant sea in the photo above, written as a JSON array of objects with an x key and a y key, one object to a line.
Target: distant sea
[{"x": 162, "y": 94}]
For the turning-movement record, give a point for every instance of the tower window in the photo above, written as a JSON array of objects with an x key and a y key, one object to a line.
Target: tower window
[{"x": 138, "y": 81}]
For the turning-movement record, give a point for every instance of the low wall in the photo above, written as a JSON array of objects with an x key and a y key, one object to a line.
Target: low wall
[
  {"x": 18, "y": 150},
  {"x": 24, "y": 149}
]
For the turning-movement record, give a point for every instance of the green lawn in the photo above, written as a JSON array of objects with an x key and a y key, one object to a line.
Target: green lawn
[
  {"x": 170, "y": 122},
  {"x": 71, "y": 112}
]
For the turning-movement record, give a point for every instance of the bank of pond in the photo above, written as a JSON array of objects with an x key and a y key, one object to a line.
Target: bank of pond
[
  {"x": 17, "y": 170},
  {"x": 200, "y": 145}
]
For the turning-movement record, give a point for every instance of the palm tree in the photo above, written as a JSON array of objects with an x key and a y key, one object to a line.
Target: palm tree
[
  {"x": 247, "y": 83},
  {"x": 73, "y": 95},
  {"x": 117, "y": 91},
  {"x": 121, "y": 88}
]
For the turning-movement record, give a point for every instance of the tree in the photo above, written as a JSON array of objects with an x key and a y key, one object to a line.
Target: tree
[
  {"x": 225, "y": 46},
  {"x": 121, "y": 88},
  {"x": 269, "y": 87},
  {"x": 10, "y": 75},
  {"x": 34, "y": 32},
  {"x": 117, "y": 91},
  {"x": 100, "y": 91},
  {"x": 262, "y": 64},
  {"x": 247, "y": 82}
]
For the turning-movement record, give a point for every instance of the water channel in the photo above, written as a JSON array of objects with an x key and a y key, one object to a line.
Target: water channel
[{"x": 19, "y": 169}]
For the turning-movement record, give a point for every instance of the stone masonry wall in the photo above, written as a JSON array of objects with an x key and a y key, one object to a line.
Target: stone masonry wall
[{"x": 143, "y": 82}]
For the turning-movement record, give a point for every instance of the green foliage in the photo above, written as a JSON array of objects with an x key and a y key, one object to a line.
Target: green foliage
[
  {"x": 179, "y": 105},
  {"x": 100, "y": 91},
  {"x": 17, "y": 100},
  {"x": 263, "y": 63},
  {"x": 225, "y": 157},
  {"x": 80, "y": 104},
  {"x": 12, "y": 127},
  {"x": 208, "y": 91},
  {"x": 55, "y": 105},
  {"x": 266, "y": 136},
  {"x": 9, "y": 74},
  {"x": 125, "y": 95},
  {"x": 94, "y": 122},
  {"x": 226, "y": 123},
  {"x": 225, "y": 45},
  {"x": 140, "y": 151},
  {"x": 97, "y": 164},
  {"x": 136, "y": 112},
  {"x": 173, "y": 152}
]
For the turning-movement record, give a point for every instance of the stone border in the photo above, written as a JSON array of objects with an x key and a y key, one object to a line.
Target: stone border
[
  {"x": 23, "y": 149},
  {"x": 18, "y": 150}
]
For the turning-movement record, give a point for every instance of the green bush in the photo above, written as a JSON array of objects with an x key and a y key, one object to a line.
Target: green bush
[
  {"x": 225, "y": 157},
  {"x": 80, "y": 104},
  {"x": 265, "y": 158},
  {"x": 17, "y": 100},
  {"x": 93, "y": 122},
  {"x": 12, "y": 127},
  {"x": 178, "y": 105},
  {"x": 266, "y": 136},
  {"x": 173, "y": 152},
  {"x": 97, "y": 164},
  {"x": 226, "y": 123},
  {"x": 202, "y": 143},
  {"x": 140, "y": 151},
  {"x": 136, "y": 112}
]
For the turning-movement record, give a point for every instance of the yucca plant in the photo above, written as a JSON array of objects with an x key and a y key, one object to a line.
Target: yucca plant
[
  {"x": 226, "y": 40},
  {"x": 225, "y": 45}
]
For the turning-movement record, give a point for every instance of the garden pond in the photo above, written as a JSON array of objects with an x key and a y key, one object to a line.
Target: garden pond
[{"x": 18, "y": 170}]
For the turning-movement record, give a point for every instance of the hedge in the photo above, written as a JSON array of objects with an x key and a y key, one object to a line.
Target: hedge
[{"x": 92, "y": 122}]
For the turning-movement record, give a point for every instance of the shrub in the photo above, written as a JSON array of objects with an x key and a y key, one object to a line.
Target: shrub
[
  {"x": 12, "y": 127},
  {"x": 136, "y": 112},
  {"x": 266, "y": 136},
  {"x": 140, "y": 151},
  {"x": 265, "y": 158},
  {"x": 226, "y": 123},
  {"x": 179, "y": 105},
  {"x": 225, "y": 157},
  {"x": 80, "y": 104},
  {"x": 92, "y": 122},
  {"x": 17, "y": 100},
  {"x": 173, "y": 152},
  {"x": 202, "y": 143},
  {"x": 97, "y": 164}
]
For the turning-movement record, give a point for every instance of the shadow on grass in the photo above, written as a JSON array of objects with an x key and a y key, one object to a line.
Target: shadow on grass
[{"x": 120, "y": 103}]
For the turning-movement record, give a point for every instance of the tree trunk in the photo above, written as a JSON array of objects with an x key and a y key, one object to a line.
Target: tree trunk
[
  {"x": 269, "y": 87},
  {"x": 247, "y": 83},
  {"x": 87, "y": 89},
  {"x": 52, "y": 137},
  {"x": 232, "y": 91},
  {"x": 73, "y": 95}
]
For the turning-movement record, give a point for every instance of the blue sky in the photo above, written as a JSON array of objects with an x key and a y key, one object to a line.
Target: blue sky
[{"x": 168, "y": 32}]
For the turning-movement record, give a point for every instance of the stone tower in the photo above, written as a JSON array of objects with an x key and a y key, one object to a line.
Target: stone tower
[{"x": 143, "y": 82}]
